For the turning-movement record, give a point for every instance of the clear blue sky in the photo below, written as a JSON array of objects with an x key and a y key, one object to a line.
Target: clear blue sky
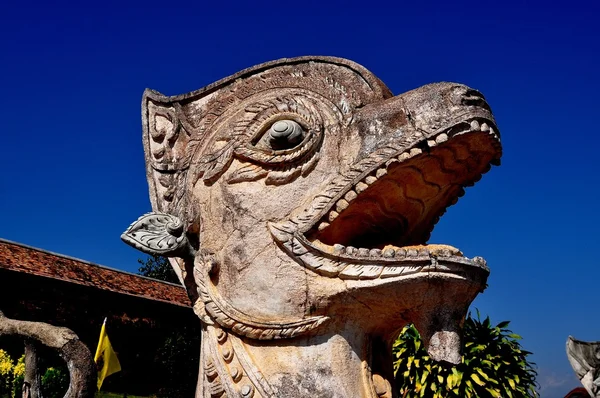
[{"x": 73, "y": 176}]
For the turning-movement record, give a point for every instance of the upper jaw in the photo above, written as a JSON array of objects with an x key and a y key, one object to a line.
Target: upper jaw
[{"x": 317, "y": 237}]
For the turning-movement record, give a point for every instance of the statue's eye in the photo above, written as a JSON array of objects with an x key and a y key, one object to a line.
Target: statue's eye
[{"x": 281, "y": 135}]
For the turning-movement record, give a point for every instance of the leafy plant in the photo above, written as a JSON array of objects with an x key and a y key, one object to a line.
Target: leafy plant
[
  {"x": 55, "y": 382},
  {"x": 17, "y": 387},
  {"x": 493, "y": 365}
]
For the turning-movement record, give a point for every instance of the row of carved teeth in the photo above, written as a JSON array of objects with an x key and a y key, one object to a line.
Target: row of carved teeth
[
  {"x": 475, "y": 125},
  {"x": 361, "y": 186},
  {"x": 342, "y": 204},
  {"x": 361, "y": 265},
  {"x": 390, "y": 252}
]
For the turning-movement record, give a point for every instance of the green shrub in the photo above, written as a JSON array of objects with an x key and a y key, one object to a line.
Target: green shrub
[
  {"x": 17, "y": 387},
  {"x": 18, "y": 378},
  {"x": 55, "y": 383},
  {"x": 493, "y": 365}
]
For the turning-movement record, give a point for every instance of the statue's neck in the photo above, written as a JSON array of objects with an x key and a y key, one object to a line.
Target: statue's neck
[{"x": 341, "y": 365}]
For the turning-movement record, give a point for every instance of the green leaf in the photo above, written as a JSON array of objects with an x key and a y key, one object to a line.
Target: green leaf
[
  {"x": 424, "y": 376},
  {"x": 482, "y": 373},
  {"x": 477, "y": 380},
  {"x": 503, "y": 324},
  {"x": 486, "y": 322}
]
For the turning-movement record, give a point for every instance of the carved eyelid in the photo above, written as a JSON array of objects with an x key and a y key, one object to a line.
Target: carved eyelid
[{"x": 264, "y": 156}]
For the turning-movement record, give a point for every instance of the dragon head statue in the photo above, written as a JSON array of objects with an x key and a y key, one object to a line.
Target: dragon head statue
[{"x": 295, "y": 200}]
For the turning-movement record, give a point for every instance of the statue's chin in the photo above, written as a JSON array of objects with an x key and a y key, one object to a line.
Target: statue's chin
[{"x": 388, "y": 304}]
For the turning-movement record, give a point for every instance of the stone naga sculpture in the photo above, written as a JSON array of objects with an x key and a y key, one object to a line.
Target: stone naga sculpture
[
  {"x": 294, "y": 200},
  {"x": 585, "y": 361}
]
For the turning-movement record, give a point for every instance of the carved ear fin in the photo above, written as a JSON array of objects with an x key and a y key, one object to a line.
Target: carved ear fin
[{"x": 158, "y": 234}]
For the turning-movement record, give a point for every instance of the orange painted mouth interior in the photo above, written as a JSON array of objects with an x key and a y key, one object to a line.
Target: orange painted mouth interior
[{"x": 403, "y": 205}]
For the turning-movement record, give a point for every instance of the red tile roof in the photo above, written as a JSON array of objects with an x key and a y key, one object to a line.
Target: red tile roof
[{"x": 22, "y": 258}]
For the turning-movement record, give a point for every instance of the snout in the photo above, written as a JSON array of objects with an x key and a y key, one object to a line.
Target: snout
[{"x": 440, "y": 106}]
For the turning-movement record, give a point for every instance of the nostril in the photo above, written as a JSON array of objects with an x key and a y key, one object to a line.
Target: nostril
[
  {"x": 474, "y": 93},
  {"x": 474, "y": 101},
  {"x": 474, "y": 98}
]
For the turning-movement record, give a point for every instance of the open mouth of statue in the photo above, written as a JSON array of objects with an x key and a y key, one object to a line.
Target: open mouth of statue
[{"x": 378, "y": 226}]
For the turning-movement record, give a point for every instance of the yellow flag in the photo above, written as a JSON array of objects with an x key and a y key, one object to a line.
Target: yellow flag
[{"x": 106, "y": 360}]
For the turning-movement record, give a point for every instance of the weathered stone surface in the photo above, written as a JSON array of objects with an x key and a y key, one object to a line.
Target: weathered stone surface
[
  {"x": 585, "y": 360},
  {"x": 305, "y": 250}
]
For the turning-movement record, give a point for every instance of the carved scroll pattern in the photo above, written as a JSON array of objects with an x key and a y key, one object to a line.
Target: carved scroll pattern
[
  {"x": 166, "y": 147},
  {"x": 167, "y": 139}
]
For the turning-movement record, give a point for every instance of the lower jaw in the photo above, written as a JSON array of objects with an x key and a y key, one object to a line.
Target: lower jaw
[{"x": 389, "y": 262}]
